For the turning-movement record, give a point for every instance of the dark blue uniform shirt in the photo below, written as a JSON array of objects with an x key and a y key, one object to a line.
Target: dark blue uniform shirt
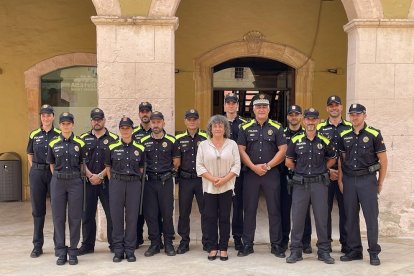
[
  {"x": 66, "y": 154},
  {"x": 125, "y": 158},
  {"x": 188, "y": 146},
  {"x": 39, "y": 142}
]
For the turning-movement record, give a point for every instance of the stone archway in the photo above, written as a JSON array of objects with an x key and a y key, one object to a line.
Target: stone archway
[
  {"x": 356, "y": 9},
  {"x": 252, "y": 45},
  {"x": 33, "y": 74}
]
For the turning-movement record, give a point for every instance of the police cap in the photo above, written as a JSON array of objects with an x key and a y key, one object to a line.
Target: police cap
[
  {"x": 294, "y": 109},
  {"x": 125, "y": 121},
  {"x": 156, "y": 115},
  {"x": 261, "y": 100},
  {"x": 333, "y": 99},
  {"x": 145, "y": 106},
  {"x": 357, "y": 108},
  {"x": 311, "y": 113},
  {"x": 192, "y": 113},
  {"x": 97, "y": 113},
  {"x": 66, "y": 117},
  {"x": 231, "y": 98},
  {"x": 46, "y": 109}
]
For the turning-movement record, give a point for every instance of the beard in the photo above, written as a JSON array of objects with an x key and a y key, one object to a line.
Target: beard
[{"x": 145, "y": 119}]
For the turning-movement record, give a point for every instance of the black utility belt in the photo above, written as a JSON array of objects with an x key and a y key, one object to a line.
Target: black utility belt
[
  {"x": 188, "y": 175},
  {"x": 164, "y": 176},
  {"x": 42, "y": 167},
  {"x": 124, "y": 177},
  {"x": 69, "y": 175},
  {"x": 303, "y": 180},
  {"x": 370, "y": 170}
]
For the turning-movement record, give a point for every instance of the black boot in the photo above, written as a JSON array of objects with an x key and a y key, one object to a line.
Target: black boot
[{"x": 294, "y": 257}]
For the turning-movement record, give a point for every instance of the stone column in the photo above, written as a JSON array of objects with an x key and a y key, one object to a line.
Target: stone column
[
  {"x": 380, "y": 75},
  {"x": 136, "y": 62}
]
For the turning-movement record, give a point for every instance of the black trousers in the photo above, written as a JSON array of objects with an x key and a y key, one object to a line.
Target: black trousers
[
  {"x": 317, "y": 195},
  {"x": 270, "y": 183},
  {"x": 217, "y": 208},
  {"x": 188, "y": 189},
  {"x": 93, "y": 193},
  {"x": 39, "y": 188},
  {"x": 66, "y": 193},
  {"x": 335, "y": 192},
  {"x": 159, "y": 198},
  {"x": 361, "y": 191},
  {"x": 124, "y": 202},
  {"x": 140, "y": 226},
  {"x": 237, "y": 219},
  {"x": 285, "y": 210}
]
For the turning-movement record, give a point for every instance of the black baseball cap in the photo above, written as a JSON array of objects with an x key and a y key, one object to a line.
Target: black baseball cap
[
  {"x": 357, "y": 108},
  {"x": 46, "y": 109},
  {"x": 294, "y": 109},
  {"x": 192, "y": 113},
  {"x": 97, "y": 113},
  {"x": 333, "y": 99},
  {"x": 126, "y": 121},
  {"x": 231, "y": 98},
  {"x": 145, "y": 106},
  {"x": 311, "y": 113},
  {"x": 156, "y": 115},
  {"x": 66, "y": 117}
]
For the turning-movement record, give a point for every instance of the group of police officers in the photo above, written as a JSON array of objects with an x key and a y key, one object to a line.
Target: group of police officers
[{"x": 306, "y": 164}]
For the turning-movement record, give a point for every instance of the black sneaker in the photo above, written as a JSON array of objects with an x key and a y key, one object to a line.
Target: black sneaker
[
  {"x": 169, "y": 249},
  {"x": 85, "y": 250},
  {"x": 326, "y": 258},
  {"x": 131, "y": 257},
  {"x": 152, "y": 250},
  {"x": 118, "y": 258},
  {"x": 73, "y": 260},
  {"x": 373, "y": 259},
  {"x": 61, "y": 260},
  {"x": 36, "y": 252},
  {"x": 183, "y": 248},
  {"x": 351, "y": 256},
  {"x": 278, "y": 251},
  {"x": 294, "y": 257},
  {"x": 246, "y": 250}
]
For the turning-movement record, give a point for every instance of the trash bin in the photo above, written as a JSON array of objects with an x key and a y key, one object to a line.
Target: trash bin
[{"x": 10, "y": 177}]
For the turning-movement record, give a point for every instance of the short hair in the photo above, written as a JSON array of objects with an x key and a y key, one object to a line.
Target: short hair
[{"x": 218, "y": 119}]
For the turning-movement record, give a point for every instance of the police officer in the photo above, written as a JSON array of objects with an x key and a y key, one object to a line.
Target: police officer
[
  {"x": 294, "y": 127},
  {"x": 97, "y": 141},
  {"x": 331, "y": 128},
  {"x": 125, "y": 161},
  {"x": 65, "y": 156},
  {"x": 363, "y": 153},
  {"x": 309, "y": 155},
  {"x": 40, "y": 175},
  {"x": 162, "y": 157},
  {"x": 231, "y": 106},
  {"x": 262, "y": 146},
  {"x": 190, "y": 184}
]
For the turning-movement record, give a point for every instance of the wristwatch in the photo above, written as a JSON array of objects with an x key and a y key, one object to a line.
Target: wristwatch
[
  {"x": 268, "y": 167},
  {"x": 101, "y": 176}
]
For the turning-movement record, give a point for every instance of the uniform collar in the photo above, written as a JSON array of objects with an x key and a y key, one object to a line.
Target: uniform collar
[
  {"x": 69, "y": 139},
  {"x": 328, "y": 122}
]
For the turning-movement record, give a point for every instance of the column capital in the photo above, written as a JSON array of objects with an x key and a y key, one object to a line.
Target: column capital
[
  {"x": 378, "y": 23},
  {"x": 135, "y": 20}
]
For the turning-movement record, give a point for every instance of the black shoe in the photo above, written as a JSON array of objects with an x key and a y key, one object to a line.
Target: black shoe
[
  {"x": 373, "y": 259},
  {"x": 169, "y": 249},
  {"x": 61, "y": 260},
  {"x": 224, "y": 258},
  {"x": 152, "y": 250},
  {"x": 85, "y": 250},
  {"x": 182, "y": 248},
  {"x": 206, "y": 248},
  {"x": 307, "y": 249},
  {"x": 131, "y": 257},
  {"x": 118, "y": 258},
  {"x": 73, "y": 260},
  {"x": 345, "y": 249},
  {"x": 278, "y": 251},
  {"x": 238, "y": 244},
  {"x": 351, "y": 256},
  {"x": 294, "y": 257},
  {"x": 212, "y": 257},
  {"x": 36, "y": 252},
  {"x": 247, "y": 250},
  {"x": 326, "y": 258}
]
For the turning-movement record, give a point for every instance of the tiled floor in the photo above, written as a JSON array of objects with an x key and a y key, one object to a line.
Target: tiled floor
[{"x": 16, "y": 234}]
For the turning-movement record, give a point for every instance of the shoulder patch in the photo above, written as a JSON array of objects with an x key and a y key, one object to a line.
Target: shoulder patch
[
  {"x": 203, "y": 133},
  {"x": 323, "y": 138},
  {"x": 136, "y": 129},
  {"x": 246, "y": 125},
  {"x": 320, "y": 125},
  {"x": 343, "y": 133},
  {"x": 113, "y": 135},
  {"x": 80, "y": 141},
  {"x": 144, "y": 138},
  {"x": 57, "y": 130},
  {"x": 348, "y": 123},
  {"x": 170, "y": 137},
  {"x": 138, "y": 145},
  {"x": 372, "y": 130},
  {"x": 34, "y": 132},
  {"x": 298, "y": 137},
  {"x": 115, "y": 144},
  {"x": 275, "y": 124},
  {"x": 54, "y": 141},
  {"x": 181, "y": 135},
  {"x": 84, "y": 135}
]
